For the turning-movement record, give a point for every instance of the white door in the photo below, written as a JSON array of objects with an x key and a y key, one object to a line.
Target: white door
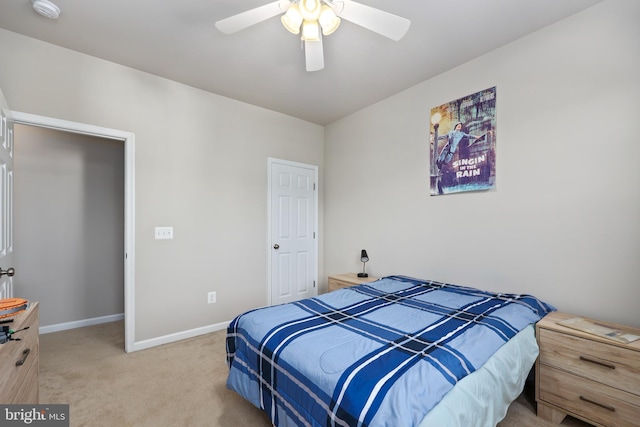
[
  {"x": 293, "y": 244},
  {"x": 6, "y": 200}
]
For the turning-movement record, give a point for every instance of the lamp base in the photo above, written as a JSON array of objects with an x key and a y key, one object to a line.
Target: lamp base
[{"x": 363, "y": 275}]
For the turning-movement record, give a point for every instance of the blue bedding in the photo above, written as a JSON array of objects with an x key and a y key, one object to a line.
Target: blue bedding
[{"x": 379, "y": 354}]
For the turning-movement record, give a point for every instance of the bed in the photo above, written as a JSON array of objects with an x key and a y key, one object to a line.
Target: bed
[{"x": 395, "y": 352}]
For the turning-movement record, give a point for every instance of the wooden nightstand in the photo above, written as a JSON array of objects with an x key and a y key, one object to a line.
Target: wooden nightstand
[
  {"x": 340, "y": 281},
  {"x": 19, "y": 359},
  {"x": 590, "y": 378}
]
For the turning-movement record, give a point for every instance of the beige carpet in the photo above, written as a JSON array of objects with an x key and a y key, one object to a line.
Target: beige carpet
[{"x": 178, "y": 384}]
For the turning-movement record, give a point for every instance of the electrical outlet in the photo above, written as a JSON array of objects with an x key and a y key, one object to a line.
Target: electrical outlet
[
  {"x": 211, "y": 297},
  {"x": 164, "y": 233}
]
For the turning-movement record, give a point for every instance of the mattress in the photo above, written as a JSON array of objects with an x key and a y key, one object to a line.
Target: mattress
[{"x": 482, "y": 398}]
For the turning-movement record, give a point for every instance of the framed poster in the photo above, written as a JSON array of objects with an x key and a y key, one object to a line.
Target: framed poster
[{"x": 463, "y": 144}]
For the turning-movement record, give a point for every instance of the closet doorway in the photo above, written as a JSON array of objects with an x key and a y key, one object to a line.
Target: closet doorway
[{"x": 73, "y": 210}]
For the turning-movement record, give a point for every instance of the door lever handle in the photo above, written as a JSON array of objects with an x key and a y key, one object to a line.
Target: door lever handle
[
  {"x": 276, "y": 246},
  {"x": 9, "y": 272}
]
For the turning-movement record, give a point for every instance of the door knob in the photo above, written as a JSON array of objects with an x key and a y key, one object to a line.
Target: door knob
[
  {"x": 9, "y": 272},
  {"x": 276, "y": 246}
]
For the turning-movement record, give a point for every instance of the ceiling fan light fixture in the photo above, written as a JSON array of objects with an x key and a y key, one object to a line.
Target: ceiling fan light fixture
[
  {"x": 310, "y": 31},
  {"x": 314, "y": 19},
  {"x": 328, "y": 20},
  {"x": 292, "y": 19},
  {"x": 310, "y": 9}
]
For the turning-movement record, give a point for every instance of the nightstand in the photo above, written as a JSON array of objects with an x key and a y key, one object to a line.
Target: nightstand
[
  {"x": 340, "y": 281},
  {"x": 588, "y": 377}
]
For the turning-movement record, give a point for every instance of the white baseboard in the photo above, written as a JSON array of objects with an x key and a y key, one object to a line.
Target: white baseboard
[
  {"x": 80, "y": 323},
  {"x": 138, "y": 345},
  {"x": 178, "y": 336}
]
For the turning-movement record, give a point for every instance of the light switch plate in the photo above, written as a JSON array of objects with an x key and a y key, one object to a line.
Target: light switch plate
[{"x": 164, "y": 233}]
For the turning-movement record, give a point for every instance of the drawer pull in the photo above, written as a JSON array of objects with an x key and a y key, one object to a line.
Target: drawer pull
[
  {"x": 602, "y": 405},
  {"x": 25, "y": 354},
  {"x": 598, "y": 362}
]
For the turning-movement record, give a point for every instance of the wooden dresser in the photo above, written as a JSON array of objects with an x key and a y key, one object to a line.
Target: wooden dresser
[
  {"x": 588, "y": 377},
  {"x": 340, "y": 281},
  {"x": 19, "y": 360}
]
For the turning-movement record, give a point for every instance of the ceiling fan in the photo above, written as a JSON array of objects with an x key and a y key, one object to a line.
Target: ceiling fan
[{"x": 315, "y": 18}]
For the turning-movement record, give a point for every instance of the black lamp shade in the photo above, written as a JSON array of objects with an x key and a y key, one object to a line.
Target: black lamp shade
[{"x": 364, "y": 258}]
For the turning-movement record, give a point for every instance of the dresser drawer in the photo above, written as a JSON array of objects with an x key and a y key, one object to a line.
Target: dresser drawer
[
  {"x": 589, "y": 399},
  {"x": 28, "y": 392},
  {"x": 606, "y": 364}
]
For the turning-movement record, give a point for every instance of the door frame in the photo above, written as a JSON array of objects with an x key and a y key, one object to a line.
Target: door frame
[
  {"x": 129, "y": 202},
  {"x": 270, "y": 162},
  {"x": 6, "y": 222}
]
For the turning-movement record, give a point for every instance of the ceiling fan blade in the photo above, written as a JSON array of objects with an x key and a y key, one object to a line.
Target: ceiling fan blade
[
  {"x": 314, "y": 55},
  {"x": 376, "y": 20},
  {"x": 251, "y": 17}
]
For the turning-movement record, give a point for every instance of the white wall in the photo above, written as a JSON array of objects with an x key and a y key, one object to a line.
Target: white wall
[
  {"x": 69, "y": 222},
  {"x": 564, "y": 221},
  {"x": 200, "y": 165}
]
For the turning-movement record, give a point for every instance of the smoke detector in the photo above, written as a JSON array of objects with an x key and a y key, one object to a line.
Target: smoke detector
[{"x": 46, "y": 8}]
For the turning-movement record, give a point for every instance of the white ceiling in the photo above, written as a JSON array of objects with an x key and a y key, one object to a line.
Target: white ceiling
[{"x": 264, "y": 64}]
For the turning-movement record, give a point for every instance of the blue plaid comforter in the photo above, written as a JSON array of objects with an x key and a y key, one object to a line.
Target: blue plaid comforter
[{"x": 380, "y": 354}]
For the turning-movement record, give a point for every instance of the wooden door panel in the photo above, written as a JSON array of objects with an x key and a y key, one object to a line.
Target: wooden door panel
[{"x": 293, "y": 254}]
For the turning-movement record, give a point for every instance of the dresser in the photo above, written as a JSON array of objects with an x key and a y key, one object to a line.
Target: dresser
[
  {"x": 19, "y": 359},
  {"x": 588, "y": 377},
  {"x": 345, "y": 280}
]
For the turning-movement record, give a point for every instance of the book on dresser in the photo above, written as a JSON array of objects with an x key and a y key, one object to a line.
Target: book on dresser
[{"x": 599, "y": 329}]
